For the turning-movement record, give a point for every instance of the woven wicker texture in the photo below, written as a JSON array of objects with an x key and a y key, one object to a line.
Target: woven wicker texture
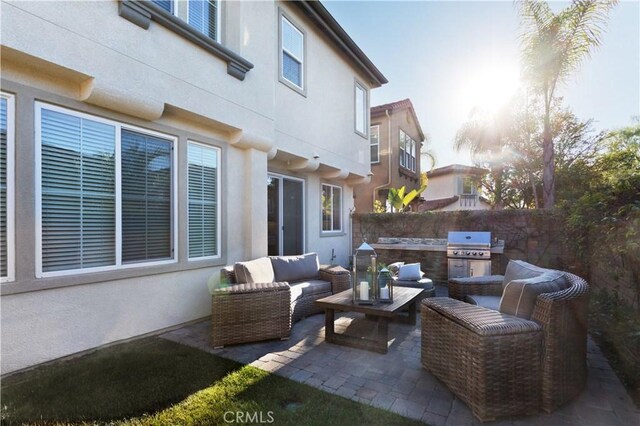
[
  {"x": 562, "y": 360},
  {"x": 490, "y": 285},
  {"x": 249, "y": 313},
  {"x": 497, "y": 375}
]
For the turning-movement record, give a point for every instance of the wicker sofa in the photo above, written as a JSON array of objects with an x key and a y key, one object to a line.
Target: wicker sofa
[
  {"x": 260, "y": 299},
  {"x": 528, "y": 355}
]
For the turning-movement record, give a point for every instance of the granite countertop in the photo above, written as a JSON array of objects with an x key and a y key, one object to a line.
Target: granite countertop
[{"x": 425, "y": 244}]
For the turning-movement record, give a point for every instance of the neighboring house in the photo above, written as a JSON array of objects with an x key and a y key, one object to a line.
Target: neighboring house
[
  {"x": 454, "y": 187},
  {"x": 147, "y": 144},
  {"x": 396, "y": 138}
]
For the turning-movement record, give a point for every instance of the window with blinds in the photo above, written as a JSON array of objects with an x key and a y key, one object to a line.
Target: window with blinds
[
  {"x": 331, "y": 208},
  {"x": 203, "y": 232},
  {"x": 202, "y": 15},
  {"x": 375, "y": 144},
  {"x": 105, "y": 194},
  {"x": 6, "y": 187},
  {"x": 292, "y": 52}
]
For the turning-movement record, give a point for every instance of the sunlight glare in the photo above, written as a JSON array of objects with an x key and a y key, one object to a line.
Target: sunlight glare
[{"x": 489, "y": 88}]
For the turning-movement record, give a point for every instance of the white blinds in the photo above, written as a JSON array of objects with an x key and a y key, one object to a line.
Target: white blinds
[
  {"x": 203, "y": 200},
  {"x": 203, "y": 16},
  {"x": 292, "y": 52},
  {"x": 78, "y": 192},
  {"x": 3, "y": 187},
  {"x": 146, "y": 197}
]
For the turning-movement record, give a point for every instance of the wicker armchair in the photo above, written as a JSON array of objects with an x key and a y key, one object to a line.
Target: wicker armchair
[{"x": 502, "y": 365}]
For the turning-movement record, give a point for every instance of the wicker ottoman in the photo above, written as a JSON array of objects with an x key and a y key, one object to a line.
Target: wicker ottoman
[{"x": 242, "y": 313}]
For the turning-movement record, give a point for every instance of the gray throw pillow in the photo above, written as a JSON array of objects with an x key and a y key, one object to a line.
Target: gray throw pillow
[
  {"x": 295, "y": 268},
  {"x": 254, "y": 271},
  {"x": 519, "y": 269},
  {"x": 519, "y": 296},
  {"x": 395, "y": 267}
]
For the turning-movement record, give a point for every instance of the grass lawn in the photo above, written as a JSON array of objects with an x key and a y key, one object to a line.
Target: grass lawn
[{"x": 154, "y": 381}]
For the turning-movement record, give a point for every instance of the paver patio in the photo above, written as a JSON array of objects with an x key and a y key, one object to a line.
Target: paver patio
[{"x": 396, "y": 381}]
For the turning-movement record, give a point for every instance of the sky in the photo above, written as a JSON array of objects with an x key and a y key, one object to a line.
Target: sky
[{"x": 447, "y": 56}]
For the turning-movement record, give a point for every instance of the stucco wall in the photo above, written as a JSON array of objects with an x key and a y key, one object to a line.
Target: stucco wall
[{"x": 84, "y": 56}]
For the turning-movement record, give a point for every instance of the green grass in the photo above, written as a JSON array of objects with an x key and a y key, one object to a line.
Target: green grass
[{"x": 157, "y": 382}]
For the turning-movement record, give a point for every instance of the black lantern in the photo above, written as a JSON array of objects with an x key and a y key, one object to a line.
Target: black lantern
[
  {"x": 385, "y": 286},
  {"x": 365, "y": 277}
]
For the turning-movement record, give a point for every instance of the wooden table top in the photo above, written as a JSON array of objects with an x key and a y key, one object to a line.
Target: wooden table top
[{"x": 343, "y": 301}]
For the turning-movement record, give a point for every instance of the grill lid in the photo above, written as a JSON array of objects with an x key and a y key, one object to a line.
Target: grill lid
[{"x": 466, "y": 239}]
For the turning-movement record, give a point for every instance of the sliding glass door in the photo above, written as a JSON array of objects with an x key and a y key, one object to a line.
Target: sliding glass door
[{"x": 285, "y": 215}]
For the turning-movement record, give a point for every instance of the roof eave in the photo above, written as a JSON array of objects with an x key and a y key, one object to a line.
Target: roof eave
[{"x": 332, "y": 29}]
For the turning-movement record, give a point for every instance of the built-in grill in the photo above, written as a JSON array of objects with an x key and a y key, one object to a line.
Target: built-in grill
[{"x": 469, "y": 254}]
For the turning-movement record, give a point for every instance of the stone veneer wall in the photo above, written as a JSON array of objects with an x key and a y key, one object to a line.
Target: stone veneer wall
[{"x": 536, "y": 236}]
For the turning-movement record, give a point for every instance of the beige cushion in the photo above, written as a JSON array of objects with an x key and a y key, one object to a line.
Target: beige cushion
[
  {"x": 395, "y": 267},
  {"x": 296, "y": 268},
  {"x": 308, "y": 287},
  {"x": 519, "y": 269},
  {"x": 254, "y": 271},
  {"x": 519, "y": 296}
]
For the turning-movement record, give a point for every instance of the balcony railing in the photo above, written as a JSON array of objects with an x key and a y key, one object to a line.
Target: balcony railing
[{"x": 468, "y": 200}]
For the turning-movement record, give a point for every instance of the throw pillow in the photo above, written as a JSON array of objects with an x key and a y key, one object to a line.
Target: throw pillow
[
  {"x": 395, "y": 267},
  {"x": 519, "y": 296},
  {"x": 254, "y": 271},
  {"x": 295, "y": 268},
  {"x": 519, "y": 270},
  {"x": 410, "y": 272}
]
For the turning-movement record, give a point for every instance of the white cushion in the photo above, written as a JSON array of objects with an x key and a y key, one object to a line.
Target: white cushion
[{"x": 410, "y": 272}]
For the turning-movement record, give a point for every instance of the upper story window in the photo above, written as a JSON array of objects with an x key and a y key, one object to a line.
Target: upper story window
[
  {"x": 331, "y": 208},
  {"x": 7, "y": 158},
  {"x": 408, "y": 151},
  {"x": 375, "y": 144},
  {"x": 105, "y": 194},
  {"x": 292, "y": 54},
  {"x": 467, "y": 185},
  {"x": 361, "y": 113},
  {"x": 203, "y": 15}
]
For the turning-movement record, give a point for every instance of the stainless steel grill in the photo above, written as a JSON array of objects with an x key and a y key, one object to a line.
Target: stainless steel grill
[{"x": 469, "y": 254}]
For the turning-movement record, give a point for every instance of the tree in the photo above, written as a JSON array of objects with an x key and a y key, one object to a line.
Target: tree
[
  {"x": 486, "y": 136},
  {"x": 553, "y": 46},
  {"x": 399, "y": 200}
]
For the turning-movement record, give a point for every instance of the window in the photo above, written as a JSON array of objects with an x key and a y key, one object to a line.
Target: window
[
  {"x": 292, "y": 53},
  {"x": 467, "y": 185},
  {"x": 203, "y": 233},
  {"x": 375, "y": 144},
  {"x": 7, "y": 225},
  {"x": 408, "y": 147},
  {"x": 104, "y": 196},
  {"x": 203, "y": 15},
  {"x": 361, "y": 109},
  {"x": 331, "y": 208},
  {"x": 402, "y": 144}
]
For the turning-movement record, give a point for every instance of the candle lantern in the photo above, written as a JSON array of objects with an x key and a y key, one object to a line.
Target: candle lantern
[
  {"x": 385, "y": 286},
  {"x": 365, "y": 275}
]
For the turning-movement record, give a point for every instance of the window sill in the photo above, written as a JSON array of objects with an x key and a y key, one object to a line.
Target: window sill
[
  {"x": 293, "y": 87},
  {"x": 49, "y": 283},
  {"x": 324, "y": 234},
  {"x": 142, "y": 13}
]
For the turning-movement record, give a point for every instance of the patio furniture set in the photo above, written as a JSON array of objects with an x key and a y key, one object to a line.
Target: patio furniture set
[{"x": 506, "y": 345}]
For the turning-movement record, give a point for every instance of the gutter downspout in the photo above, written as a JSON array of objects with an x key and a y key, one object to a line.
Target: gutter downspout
[{"x": 388, "y": 155}]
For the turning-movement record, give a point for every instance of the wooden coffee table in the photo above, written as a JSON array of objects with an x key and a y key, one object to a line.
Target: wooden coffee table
[{"x": 403, "y": 298}]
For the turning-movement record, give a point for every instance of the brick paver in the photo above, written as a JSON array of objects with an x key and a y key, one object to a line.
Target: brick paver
[{"x": 397, "y": 382}]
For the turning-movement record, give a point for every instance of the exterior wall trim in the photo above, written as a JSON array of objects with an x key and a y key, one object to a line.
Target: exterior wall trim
[{"x": 142, "y": 13}]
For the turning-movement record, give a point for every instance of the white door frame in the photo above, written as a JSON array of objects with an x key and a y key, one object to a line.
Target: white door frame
[{"x": 281, "y": 178}]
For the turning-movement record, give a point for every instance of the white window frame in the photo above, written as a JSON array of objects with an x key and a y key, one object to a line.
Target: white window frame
[
  {"x": 39, "y": 106},
  {"x": 11, "y": 213},
  {"x": 284, "y": 50},
  {"x": 377, "y": 145},
  {"x": 331, "y": 231},
  {"x": 402, "y": 147},
  {"x": 218, "y": 210},
  {"x": 365, "y": 109}
]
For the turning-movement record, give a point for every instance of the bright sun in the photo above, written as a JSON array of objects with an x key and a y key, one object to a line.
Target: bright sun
[{"x": 489, "y": 88}]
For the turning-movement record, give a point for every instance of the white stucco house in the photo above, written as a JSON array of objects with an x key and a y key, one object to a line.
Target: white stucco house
[
  {"x": 145, "y": 144},
  {"x": 454, "y": 187}
]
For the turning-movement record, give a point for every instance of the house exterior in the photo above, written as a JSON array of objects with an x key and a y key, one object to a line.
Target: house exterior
[
  {"x": 147, "y": 144},
  {"x": 454, "y": 187},
  {"x": 396, "y": 138}
]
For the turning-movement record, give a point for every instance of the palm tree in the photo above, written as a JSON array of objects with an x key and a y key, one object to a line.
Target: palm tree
[
  {"x": 486, "y": 136},
  {"x": 553, "y": 46}
]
